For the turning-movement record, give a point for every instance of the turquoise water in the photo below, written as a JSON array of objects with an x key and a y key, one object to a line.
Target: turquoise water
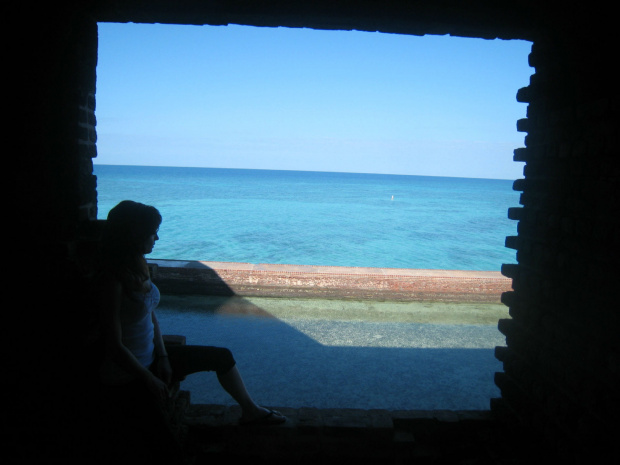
[
  {"x": 319, "y": 357},
  {"x": 319, "y": 218}
]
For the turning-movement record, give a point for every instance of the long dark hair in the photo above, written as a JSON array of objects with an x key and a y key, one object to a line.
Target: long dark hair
[{"x": 128, "y": 225}]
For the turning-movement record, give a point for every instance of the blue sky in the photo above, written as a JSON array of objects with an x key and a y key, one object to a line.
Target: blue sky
[{"x": 301, "y": 99}]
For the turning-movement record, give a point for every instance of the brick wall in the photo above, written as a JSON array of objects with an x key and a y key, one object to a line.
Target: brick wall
[
  {"x": 561, "y": 359},
  {"x": 561, "y": 362},
  {"x": 58, "y": 124}
]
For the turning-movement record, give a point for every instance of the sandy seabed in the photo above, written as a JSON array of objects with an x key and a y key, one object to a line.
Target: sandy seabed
[{"x": 330, "y": 353}]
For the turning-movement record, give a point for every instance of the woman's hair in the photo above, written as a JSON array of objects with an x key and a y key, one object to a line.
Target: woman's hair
[{"x": 128, "y": 225}]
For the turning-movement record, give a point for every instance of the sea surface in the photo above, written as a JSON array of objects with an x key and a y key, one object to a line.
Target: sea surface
[
  {"x": 327, "y": 353},
  {"x": 319, "y": 218}
]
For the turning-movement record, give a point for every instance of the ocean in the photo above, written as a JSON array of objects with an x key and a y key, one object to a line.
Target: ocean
[
  {"x": 322, "y": 353},
  {"x": 319, "y": 218}
]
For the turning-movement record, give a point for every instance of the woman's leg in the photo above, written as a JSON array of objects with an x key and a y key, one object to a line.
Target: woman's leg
[
  {"x": 192, "y": 359},
  {"x": 233, "y": 384}
]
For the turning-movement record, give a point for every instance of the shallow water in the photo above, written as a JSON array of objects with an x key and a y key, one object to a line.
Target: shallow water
[{"x": 330, "y": 353}]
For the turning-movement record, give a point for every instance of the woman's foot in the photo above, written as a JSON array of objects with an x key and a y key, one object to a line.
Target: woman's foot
[{"x": 262, "y": 417}]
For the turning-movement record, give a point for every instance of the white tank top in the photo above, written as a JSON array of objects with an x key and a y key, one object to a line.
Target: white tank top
[{"x": 137, "y": 333}]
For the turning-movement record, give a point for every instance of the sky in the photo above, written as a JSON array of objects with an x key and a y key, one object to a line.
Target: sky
[{"x": 302, "y": 99}]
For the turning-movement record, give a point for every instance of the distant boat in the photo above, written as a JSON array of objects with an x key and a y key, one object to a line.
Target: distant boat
[{"x": 392, "y": 197}]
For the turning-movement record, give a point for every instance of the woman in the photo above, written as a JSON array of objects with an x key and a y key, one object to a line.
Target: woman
[{"x": 134, "y": 347}]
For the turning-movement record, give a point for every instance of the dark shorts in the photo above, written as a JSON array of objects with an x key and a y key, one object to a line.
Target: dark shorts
[{"x": 188, "y": 359}]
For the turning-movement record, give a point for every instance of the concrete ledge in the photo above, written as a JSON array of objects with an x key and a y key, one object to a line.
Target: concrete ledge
[
  {"x": 351, "y": 436},
  {"x": 271, "y": 280}
]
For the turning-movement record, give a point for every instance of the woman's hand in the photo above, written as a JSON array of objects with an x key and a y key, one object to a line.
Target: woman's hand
[
  {"x": 164, "y": 370},
  {"x": 157, "y": 387}
]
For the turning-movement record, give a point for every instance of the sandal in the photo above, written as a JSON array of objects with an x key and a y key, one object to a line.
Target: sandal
[{"x": 272, "y": 417}]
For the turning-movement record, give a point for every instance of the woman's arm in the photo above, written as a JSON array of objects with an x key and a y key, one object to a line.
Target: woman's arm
[
  {"x": 111, "y": 300},
  {"x": 164, "y": 370}
]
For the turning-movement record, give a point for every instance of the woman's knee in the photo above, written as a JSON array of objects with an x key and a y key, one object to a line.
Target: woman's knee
[{"x": 227, "y": 361}]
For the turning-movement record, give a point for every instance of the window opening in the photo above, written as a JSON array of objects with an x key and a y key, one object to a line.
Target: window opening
[{"x": 334, "y": 148}]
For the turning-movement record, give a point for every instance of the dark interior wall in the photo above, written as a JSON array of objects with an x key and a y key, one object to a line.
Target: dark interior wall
[
  {"x": 561, "y": 360},
  {"x": 52, "y": 76}
]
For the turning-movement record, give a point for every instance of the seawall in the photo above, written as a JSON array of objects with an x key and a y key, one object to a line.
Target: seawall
[{"x": 271, "y": 280}]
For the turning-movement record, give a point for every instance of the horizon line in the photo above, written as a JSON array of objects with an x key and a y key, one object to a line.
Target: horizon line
[{"x": 301, "y": 171}]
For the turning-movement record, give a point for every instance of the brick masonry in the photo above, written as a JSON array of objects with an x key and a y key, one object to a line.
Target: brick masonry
[
  {"x": 269, "y": 280},
  {"x": 561, "y": 363}
]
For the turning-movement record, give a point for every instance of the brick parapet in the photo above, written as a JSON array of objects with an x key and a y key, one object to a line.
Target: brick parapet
[{"x": 330, "y": 282}]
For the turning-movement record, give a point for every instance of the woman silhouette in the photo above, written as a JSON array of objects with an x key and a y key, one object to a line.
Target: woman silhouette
[{"x": 134, "y": 348}]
